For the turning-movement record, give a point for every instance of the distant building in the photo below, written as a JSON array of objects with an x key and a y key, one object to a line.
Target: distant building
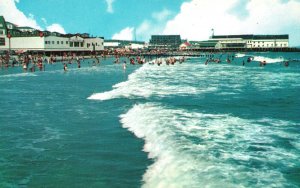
[
  {"x": 252, "y": 41},
  {"x": 207, "y": 44},
  {"x": 125, "y": 44},
  {"x": 184, "y": 46},
  {"x": 17, "y": 38},
  {"x": 165, "y": 42}
]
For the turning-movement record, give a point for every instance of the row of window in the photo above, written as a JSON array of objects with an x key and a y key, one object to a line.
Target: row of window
[
  {"x": 76, "y": 44},
  {"x": 271, "y": 45},
  {"x": 57, "y": 42},
  {"x": 72, "y": 44},
  {"x": 257, "y": 42}
]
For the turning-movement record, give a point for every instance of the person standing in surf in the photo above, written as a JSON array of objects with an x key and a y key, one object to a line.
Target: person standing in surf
[{"x": 65, "y": 67}]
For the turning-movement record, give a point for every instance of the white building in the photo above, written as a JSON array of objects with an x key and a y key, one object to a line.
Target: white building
[
  {"x": 51, "y": 43},
  {"x": 252, "y": 41},
  {"x": 33, "y": 40},
  {"x": 109, "y": 44},
  {"x": 112, "y": 43}
]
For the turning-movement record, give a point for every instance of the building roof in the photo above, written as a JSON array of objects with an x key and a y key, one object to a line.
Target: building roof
[
  {"x": 186, "y": 44},
  {"x": 253, "y": 37},
  {"x": 165, "y": 35},
  {"x": 2, "y": 23},
  {"x": 25, "y": 27}
]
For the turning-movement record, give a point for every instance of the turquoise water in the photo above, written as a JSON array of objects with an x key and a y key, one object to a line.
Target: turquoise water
[{"x": 182, "y": 125}]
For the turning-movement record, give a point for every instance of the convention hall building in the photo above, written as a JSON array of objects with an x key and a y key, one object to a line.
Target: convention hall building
[{"x": 251, "y": 41}]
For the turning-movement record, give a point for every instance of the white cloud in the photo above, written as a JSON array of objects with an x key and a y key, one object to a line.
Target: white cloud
[
  {"x": 162, "y": 15},
  {"x": 44, "y": 21},
  {"x": 153, "y": 26},
  {"x": 57, "y": 28},
  {"x": 197, "y": 17},
  {"x": 110, "y": 6},
  {"x": 12, "y": 14},
  {"x": 125, "y": 34}
]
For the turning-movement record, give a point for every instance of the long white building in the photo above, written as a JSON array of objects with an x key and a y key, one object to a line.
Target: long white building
[
  {"x": 252, "y": 41},
  {"x": 29, "y": 39}
]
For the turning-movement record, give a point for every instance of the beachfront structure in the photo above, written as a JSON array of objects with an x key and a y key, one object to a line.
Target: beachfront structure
[
  {"x": 252, "y": 41},
  {"x": 125, "y": 44},
  {"x": 184, "y": 46},
  {"x": 165, "y": 42},
  {"x": 207, "y": 44},
  {"x": 30, "y": 39}
]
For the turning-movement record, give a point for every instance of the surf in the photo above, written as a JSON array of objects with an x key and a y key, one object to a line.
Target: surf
[{"x": 193, "y": 149}]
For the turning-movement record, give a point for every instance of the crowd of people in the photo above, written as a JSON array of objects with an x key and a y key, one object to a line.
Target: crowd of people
[{"x": 33, "y": 62}]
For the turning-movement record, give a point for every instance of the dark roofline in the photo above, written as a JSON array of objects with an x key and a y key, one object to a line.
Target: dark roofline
[
  {"x": 251, "y": 36},
  {"x": 4, "y": 22},
  {"x": 26, "y": 27},
  {"x": 10, "y": 23}
]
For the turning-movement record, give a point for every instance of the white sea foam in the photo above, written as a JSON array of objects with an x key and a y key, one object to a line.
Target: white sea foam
[
  {"x": 240, "y": 55},
  {"x": 192, "y": 149},
  {"x": 164, "y": 80},
  {"x": 17, "y": 75},
  {"x": 192, "y": 78}
]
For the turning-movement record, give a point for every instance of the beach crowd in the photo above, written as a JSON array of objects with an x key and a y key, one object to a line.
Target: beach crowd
[{"x": 33, "y": 62}]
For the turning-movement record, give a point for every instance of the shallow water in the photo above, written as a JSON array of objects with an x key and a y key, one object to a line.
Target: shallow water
[{"x": 190, "y": 124}]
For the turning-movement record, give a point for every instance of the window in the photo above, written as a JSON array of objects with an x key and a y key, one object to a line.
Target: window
[
  {"x": 67, "y": 42},
  {"x": 81, "y": 44},
  {"x": 57, "y": 42},
  {"x": 1, "y": 32},
  {"x": 52, "y": 42},
  {"x": 76, "y": 44},
  {"x": 46, "y": 42},
  {"x": 71, "y": 44},
  {"x": 2, "y": 41},
  {"x": 62, "y": 42}
]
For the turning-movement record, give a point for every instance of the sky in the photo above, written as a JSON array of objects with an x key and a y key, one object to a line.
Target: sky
[{"x": 139, "y": 19}]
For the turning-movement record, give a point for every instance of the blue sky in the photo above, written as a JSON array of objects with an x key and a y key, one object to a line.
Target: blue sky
[
  {"x": 93, "y": 16},
  {"x": 192, "y": 19}
]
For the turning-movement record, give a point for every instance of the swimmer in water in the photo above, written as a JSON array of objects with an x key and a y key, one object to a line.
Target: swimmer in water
[
  {"x": 286, "y": 64},
  {"x": 65, "y": 67},
  {"x": 124, "y": 65}
]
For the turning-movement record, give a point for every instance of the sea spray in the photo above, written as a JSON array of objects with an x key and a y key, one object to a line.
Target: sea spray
[{"x": 192, "y": 149}]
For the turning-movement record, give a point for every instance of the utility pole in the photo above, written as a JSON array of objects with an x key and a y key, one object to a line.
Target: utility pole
[{"x": 9, "y": 47}]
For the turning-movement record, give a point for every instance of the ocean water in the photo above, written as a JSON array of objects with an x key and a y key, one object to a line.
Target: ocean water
[{"x": 182, "y": 125}]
